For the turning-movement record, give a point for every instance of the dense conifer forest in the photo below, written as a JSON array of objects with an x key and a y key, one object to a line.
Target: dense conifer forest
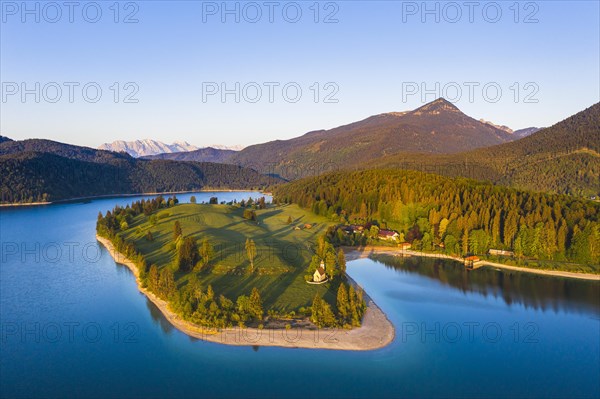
[{"x": 461, "y": 215}]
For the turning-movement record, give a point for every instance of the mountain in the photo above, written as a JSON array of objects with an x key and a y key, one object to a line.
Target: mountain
[
  {"x": 564, "y": 158},
  {"x": 227, "y": 147},
  {"x": 501, "y": 127},
  {"x": 437, "y": 127},
  {"x": 3, "y": 139},
  {"x": 516, "y": 133},
  {"x": 44, "y": 170},
  {"x": 528, "y": 131},
  {"x": 145, "y": 147},
  {"x": 64, "y": 150},
  {"x": 208, "y": 154}
]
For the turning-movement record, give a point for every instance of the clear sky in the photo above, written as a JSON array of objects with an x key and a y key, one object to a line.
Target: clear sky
[{"x": 365, "y": 58}]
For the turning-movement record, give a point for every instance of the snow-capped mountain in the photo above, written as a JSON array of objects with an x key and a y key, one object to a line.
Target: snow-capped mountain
[
  {"x": 501, "y": 127},
  {"x": 226, "y": 147},
  {"x": 518, "y": 134},
  {"x": 528, "y": 131},
  {"x": 140, "y": 148}
]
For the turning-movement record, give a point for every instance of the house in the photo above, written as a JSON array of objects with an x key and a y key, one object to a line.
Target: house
[
  {"x": 389, "y": 235},
  {"x": 319, "y": 274},
  {"x": 501, "y": 252},
  {"x": 357, "y": 229},
  {"x": 405, "y": 245},
  {"x": 347, "y": 229},
  {"x": 471, "y": 261},
  {"x": 308, "y": 226},
  {"x": 297, "y": 228}
]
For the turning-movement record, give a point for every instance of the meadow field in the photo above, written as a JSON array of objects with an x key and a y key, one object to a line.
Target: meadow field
[{"x": 283, "y": 250}]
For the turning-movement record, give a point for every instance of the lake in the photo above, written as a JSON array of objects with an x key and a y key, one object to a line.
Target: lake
[{"x": 73, "y": 324}]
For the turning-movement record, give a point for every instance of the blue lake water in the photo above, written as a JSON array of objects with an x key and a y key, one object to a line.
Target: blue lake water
[{"x": 73, "y": 324}]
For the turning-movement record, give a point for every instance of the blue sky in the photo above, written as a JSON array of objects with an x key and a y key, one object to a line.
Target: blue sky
[{"x": 378, "y": 57}]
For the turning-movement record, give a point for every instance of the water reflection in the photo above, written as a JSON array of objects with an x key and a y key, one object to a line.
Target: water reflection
[
  {"x": 159, "y": 318},
  {"x": 526, "y": 289}
]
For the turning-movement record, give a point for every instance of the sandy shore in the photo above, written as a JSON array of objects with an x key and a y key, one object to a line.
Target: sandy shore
[
  {"x": 358, "y": 253},
  {"x": 15, "y": 204},
  {"x": 376, "y": 330}
]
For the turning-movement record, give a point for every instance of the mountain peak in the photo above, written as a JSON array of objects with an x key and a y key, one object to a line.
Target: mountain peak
[
  {"x": 436, "y": 107},
  {"x": 139, "y": 148},
  {"x": 501, "y": 127}
]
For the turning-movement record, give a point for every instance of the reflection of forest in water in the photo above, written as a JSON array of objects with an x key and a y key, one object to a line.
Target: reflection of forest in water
[{"x": 527, "y": 289}]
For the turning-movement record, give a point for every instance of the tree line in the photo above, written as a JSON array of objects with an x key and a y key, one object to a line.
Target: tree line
[
  {"x": 190, "y": 301},
  {"x": 459, "y": 215},
  {"x": 349, "y": 310},
  {"x": 335, "y": 262}
]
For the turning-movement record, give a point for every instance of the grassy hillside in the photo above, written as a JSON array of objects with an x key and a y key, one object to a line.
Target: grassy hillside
[{"x": 283, "y": 253}]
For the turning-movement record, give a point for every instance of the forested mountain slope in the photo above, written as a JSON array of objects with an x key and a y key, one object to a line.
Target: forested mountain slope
[
  {"x": 437, "y": 127},
  {"x": 207, "y": 154},
  {"x": 564, "y": 158},
  {"x": 43, "y": 170}
]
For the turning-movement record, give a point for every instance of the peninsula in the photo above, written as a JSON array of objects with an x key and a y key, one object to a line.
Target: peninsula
[{"x": 190, "y": 259}]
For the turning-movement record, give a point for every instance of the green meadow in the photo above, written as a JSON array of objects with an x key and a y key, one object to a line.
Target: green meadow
[{"x": 283, "y": 252}]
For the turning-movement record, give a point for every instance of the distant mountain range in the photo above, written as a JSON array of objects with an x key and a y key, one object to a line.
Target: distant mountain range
[
  {"x": 436, "y": 138},
  {"x": 179, "y": 150},
  {"x": 528, "y": 131},
  {"x": 43, "y": 170},
  {"x": 140, "y": 148},
  {"x": 226, "y": 147},
  {"x": 208, "y": 154},
  {"x": 437, "y": 127},
  {"x": 517, "y": 133}
]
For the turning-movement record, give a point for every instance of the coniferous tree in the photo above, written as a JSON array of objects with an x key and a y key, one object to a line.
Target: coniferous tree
[
  {"x": 187, "y": 254},
  {"x": 167, "y": 283},
  {"x": 251, "y": 252},
  {"x": 153, "y": 279},
  {"x": 255, "y": 303},
  {"x": 206, "y": 252},
  {"x": 176, "y": 230},
  {"x": 343, "y": 304},
  {"x": 341, "y": 260}
]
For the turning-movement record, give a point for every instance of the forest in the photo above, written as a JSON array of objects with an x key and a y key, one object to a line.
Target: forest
[
  {"x": 461, "y": 216},
  {"x": 35, "y": 176},
  {"x": 563, "y": 159}
]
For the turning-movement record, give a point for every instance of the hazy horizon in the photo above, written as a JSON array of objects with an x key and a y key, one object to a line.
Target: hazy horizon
[{"x": 184, "y": 139}]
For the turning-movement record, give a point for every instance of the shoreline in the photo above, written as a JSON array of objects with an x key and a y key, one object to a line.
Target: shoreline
[
  {"x": 364, "y": 252},
  {"x": 108, "y": 196},
  {"x": 375, "y": 332}
]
